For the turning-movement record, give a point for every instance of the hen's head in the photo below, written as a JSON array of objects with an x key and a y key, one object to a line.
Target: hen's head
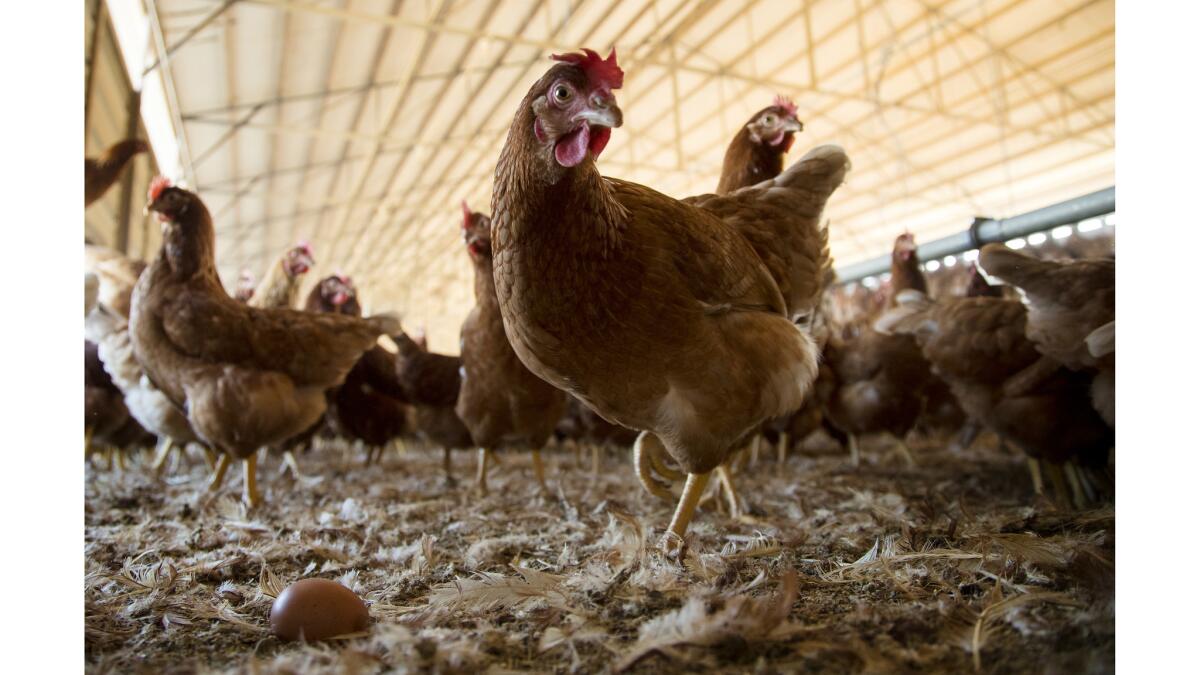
[
  {"x": 167, "y": 201},
  {"x": 299, "y": 259},
  {"x": 574, "y": 108},
  {"x": 905, "y": 248},
  {"x": 338, "y": 293},
  {"x": 978, "y": 286},
  {"x": 477, "y": 233},
  {"x": 776, "y": 125}
]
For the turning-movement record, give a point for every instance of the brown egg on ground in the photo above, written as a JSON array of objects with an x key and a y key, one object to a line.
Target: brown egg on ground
[{"x": 316, "y": 609}]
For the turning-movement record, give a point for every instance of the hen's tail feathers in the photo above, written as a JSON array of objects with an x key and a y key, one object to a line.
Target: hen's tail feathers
[
  {"x": 1000, "y": 264},
  {"x": 387, "y": 323},
  {"x": 908, "y": 316},
  {"x": 1103, "y": 340}
]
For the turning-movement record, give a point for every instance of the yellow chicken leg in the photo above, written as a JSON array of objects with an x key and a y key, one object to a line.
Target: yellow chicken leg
[
  {"x": 731, "y": 495},
  {"x": 854, "y": 455},
  {"x": 161, "y": 454},
  {"x": 539, "y": 471},
  {"x": 250, "y": 481},
  {"x": 906, "y": 453},
  {"x": 446, "y": 467},
  {"x": 290, "y": 464},
  {"x": 481, "y": 471},
  {"x": 755, "y": 445},
  {"x": 782, "y": 449},
  {"x": 692, "y": 490},
  {"x": 219, "y": 473},
  {"x": 1035, "y": 472}
]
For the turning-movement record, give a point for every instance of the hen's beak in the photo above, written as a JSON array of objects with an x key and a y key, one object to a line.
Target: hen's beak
[
  {"x": 792, "y": 124},
  {"x": 306, "y": 260},
  {"x": 602, "y": 111}
]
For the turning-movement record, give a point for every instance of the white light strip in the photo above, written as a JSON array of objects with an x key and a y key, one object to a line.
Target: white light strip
[{"x": 132, "y": 27}]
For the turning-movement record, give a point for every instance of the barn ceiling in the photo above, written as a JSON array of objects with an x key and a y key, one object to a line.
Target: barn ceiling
[{"x": 360, "y": 124}]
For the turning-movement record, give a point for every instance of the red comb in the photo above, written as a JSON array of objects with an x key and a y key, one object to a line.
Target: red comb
[
  {"x": 305, "y": 246},
  {"x": 343, "y": 278},
  {"x": 157, "y": 186},
  {"x": 600, "y": 72},
  {"x": 466, "y": 215},
  {"x": 786, "y": 103}
]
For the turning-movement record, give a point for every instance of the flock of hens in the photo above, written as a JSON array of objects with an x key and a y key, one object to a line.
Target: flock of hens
[{"x": 687, "y": 328}]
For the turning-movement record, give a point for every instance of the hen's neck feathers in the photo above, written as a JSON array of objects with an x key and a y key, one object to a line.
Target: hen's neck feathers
[
  {"x": 189, "y": 246},
  {"x": 278, "y": 288},
  {"x": 748, "y": 163},
  {"x": 535, "y": 200},
  {"x": 907, "y": 275}
]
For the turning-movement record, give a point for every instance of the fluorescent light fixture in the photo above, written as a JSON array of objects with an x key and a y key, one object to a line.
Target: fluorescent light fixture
[
  {"x": 971, "y": 256},
  {"x": 1110, "y": 220},
  {"x": 1061, "y": 232},
  {"x": 1037, "y": 238},
  {"x": 870, "y": 282},
  {"x": 1015, "y": 244},
  {"x": 949, "y": 261},
  {"x": 933, "y": 266},
  {"x": 1088, "y": 225}
]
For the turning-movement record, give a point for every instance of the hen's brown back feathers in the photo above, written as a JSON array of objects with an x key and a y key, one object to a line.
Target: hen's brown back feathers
[{"x": 780, "y": 220}]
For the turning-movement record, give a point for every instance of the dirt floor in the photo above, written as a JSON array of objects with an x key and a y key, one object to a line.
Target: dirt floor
[{"x": 951, "y": 566}]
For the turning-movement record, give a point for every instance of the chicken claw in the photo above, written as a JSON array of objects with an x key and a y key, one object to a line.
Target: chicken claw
[
  {"x": 692, "y": 490},
  {"x": 782, "y": 449},
  {"x": 643, "y": 460}
]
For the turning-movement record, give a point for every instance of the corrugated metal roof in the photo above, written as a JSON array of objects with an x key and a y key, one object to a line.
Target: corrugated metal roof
[{"x": 360, "y": 124}]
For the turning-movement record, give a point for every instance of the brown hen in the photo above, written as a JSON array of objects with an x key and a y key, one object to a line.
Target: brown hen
[
  {"x": 675, "y": 317},
  {"x": 246, "y": 377},
  {"x": 500, "y": 401},
  {"x": 430, "y": 383},
  {"x": 978, "y": 345},
  {"x": 1072, "y": 313},
  {"x": 756, "y": 152}
]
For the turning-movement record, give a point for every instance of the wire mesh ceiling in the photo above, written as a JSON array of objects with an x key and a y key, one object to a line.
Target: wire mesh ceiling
[{"x": 359, "y": 125}]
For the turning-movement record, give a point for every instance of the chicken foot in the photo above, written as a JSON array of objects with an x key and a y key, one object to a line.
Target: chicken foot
[
  {"x": 781, "y": 450},
  {"x": 644, "y": 456},
  {"x": 692, "y": 490}
]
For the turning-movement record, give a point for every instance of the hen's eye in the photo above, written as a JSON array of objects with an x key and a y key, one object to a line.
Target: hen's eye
[
  {"x": 768, "y": 119},
  {"x": 562, "y": 94}
]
